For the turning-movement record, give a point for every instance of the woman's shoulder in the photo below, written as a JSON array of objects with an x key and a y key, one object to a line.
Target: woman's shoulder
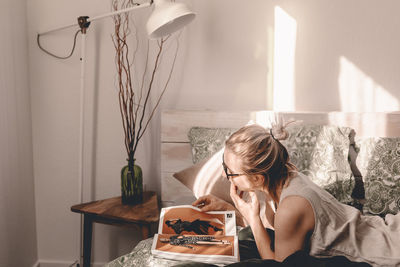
[
  {"x": 300, "y": 185},
  {"x": 294, "y": 204}
]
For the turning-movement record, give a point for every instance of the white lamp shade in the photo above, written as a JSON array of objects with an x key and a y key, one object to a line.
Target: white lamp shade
[{"x": 168, "y": 17}]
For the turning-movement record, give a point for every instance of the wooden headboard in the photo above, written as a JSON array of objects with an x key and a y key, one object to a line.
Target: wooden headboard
[{"x": 176, "y": 152}]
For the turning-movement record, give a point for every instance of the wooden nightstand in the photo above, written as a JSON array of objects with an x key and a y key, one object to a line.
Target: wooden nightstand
[{"x": 111, "y": 211}]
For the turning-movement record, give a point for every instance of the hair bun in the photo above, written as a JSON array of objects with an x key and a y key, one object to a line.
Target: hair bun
[
  {"x": 278, "y": 129},
  {"x": 278, "y": 132}
]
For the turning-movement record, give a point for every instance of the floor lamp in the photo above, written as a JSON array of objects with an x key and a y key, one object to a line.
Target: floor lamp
[{"x": 166, "y": 18}]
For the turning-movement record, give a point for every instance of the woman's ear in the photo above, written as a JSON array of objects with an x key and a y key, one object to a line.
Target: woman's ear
[{"x": 259, "y": 180}]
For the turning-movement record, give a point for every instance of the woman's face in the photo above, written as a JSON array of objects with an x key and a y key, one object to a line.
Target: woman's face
[{"x": 233, "y": 166}]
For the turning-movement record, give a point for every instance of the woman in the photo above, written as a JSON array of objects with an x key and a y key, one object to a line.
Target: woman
[{"x": 307, "y": 218}]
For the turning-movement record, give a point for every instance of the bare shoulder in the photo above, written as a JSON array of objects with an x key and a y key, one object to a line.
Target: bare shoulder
[
  {"x": 294, "y": 203},
  {"x": 294, "y": 212}
]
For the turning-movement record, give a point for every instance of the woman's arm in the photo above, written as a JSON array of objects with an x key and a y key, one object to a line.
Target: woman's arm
[
  {"x": 294, "y": 220},
  {"x": 262, "y": 239},
  {"x": 251, "y": 212}
]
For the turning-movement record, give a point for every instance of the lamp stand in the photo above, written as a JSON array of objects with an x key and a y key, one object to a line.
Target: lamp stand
[
  {"x": 83, "y": 24},
  {"x": 173, "y": 17}
]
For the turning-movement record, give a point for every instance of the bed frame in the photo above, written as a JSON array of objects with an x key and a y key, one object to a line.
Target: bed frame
[{"x": 176, "y": 152}]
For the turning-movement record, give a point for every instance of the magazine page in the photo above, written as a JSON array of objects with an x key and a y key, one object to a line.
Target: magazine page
[
  {"x": 202, "y": 248},
  {"x": 187, "y": 233},
  {"x": 189, "y": 220}
]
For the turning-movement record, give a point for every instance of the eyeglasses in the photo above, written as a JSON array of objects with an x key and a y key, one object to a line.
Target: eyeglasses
[{"x": 226, "y": 170}]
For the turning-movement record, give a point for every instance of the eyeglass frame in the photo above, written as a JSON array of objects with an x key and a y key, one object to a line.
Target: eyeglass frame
[{"x": 226, "y": 170}]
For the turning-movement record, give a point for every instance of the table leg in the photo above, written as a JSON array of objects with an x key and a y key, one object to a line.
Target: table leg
[
  {"x": 87, "y": 240},
  {"x": 145, "y": 231}
]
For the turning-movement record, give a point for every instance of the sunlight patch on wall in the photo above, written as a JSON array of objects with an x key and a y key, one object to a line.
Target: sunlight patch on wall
[
  {"x": 284, "y": 60},
  {"x": 270, "y": 66},
  {"x": 360, "y": 93},
  {"x": 264, "y": 118}
]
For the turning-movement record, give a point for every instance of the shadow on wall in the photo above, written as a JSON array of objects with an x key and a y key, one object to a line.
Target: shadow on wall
[{"x": 343, "y": 52}]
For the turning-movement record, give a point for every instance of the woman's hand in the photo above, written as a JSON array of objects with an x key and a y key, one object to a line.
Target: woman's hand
[
  {"x": 210, "y": 202},
  {"x": 249, "y": 210}
]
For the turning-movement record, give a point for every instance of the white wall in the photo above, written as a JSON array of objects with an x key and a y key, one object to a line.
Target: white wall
[
  {"x": 225, "y": 63},
  {"x": 17, "y": 220},
  {"x": 364, "y": 33}
]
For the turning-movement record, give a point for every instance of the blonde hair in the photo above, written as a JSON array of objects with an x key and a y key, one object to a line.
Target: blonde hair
[{"x": 261, "y": 153}]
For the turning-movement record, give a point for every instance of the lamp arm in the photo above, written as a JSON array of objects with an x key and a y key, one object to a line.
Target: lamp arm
[{"x": 138, "y": 6}]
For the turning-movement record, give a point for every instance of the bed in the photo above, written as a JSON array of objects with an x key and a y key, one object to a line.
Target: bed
[{"x": 364, "y": 149}]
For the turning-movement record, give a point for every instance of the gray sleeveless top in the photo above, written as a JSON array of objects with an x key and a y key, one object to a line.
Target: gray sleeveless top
[{"x": 341, "y": 230}]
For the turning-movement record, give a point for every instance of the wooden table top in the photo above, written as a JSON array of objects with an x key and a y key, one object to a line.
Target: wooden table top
[{"x": 112, "y": 208}]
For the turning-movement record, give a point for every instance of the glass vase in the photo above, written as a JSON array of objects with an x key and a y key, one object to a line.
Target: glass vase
[{"x": 131, "y": 184}]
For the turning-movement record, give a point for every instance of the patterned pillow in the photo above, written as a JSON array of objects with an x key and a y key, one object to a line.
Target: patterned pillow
[
  {"x": 318, "y": 151},
  {"x": 207, "y": 141},
  {"x": 321, "y": 152},
  {"x": 379, "y": 163}
]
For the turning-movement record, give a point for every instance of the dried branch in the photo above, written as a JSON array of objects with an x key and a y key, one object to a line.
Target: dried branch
[
  {"x": 164, "y": 89},
  {"x": 143, "y": 77},
  {"x": 133, "y": 115}
]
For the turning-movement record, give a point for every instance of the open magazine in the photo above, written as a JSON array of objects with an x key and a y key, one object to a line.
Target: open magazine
[{"x": 186, "y": 233}]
